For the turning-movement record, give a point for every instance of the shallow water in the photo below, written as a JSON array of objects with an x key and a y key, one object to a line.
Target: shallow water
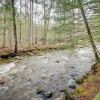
[
  {"x": 49, "y": 72},
  {"x": 6, "y": 67}
]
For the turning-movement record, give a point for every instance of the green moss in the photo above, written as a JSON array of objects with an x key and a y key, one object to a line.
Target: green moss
[
  {"x": 93, "y": 78},
  {"x": 79, "y": 90},
  {"x": 93, "y": 89},
  {"x": 97, "y": 97}
]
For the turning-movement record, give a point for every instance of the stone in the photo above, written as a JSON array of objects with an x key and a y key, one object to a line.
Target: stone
[
  {"x": 72, "y": 67},
  {"x": 72, "y": 86},
  {"x": 44, "y": 76},
  {"x": 18, "y": 58},
  {"x": 79, "y": 81},
  {"x": 38, "y": 91},
  {"x": 48, "y": 94},
  {"x": 30, "y": 54},
  {"x": 13, "y": 71},
  {"x": 66, "y": 95},
  {"x": 57, "y": 61},
  {"x": 4, "y": 78}
]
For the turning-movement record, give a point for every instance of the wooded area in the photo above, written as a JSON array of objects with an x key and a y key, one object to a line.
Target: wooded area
[
  {"x": 25, "y": 23},
  {"x": 33, "y": 27}
]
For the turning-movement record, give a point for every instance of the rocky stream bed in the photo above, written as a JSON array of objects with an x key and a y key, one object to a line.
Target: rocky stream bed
[{"x": 49, "y": 73}]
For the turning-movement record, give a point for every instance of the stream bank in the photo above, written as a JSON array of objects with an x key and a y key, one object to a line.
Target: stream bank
[{"x": 90, "y": 88}]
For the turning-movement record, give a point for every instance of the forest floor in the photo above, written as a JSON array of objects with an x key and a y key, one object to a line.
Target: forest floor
[{"x": 90, "y": 89}]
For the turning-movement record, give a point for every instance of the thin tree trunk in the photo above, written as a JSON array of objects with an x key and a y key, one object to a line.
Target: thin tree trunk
[
  {"x": 44, "y": 40},
  {"x": 4, "y": 31},
  {"x": 30, "y": 26},
  {"x": 36, "y": 23},
  {"x": 20, "y": 24},
  {"x": 14, "y": 26},
  {"x": 88, "y": 30}
]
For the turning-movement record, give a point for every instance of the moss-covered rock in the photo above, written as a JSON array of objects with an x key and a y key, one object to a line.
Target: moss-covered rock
[{"x": 79, "y": 81}]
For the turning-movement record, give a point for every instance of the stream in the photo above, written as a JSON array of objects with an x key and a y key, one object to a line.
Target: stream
[{"x": 50, "y": 72}]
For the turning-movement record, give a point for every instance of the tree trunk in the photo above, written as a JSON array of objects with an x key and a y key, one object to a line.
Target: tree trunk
[
  {"x": 20, "y": 24},
  {"x": 36, "y": 23},
  {"x": 14, "y": 26},
  {"x": 4, "y": 31},
  {"x": 88, "y": 30},
  {"x": 32, "y": 24}
]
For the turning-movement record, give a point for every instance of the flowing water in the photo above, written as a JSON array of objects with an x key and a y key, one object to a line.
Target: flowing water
[{"x": 50, "y": 72}]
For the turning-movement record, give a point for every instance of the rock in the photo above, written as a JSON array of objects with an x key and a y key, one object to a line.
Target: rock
[
  {"x": 72, "y": 86},
  {"x": 79, "y": 81},
  {"x": 73, "y": 75},
  {"x": 48, "y": 94},
  {"x": 30, "y": 54},
  {"x": 38, "y": 91},
  {"x": 57, "y": 61},
  {"x": 43, "y": 93},
  {"x": 66, "y": 95},
  {"x": 13, "y": 71},
  {"x": 18, "y": 58},
  {"x": 44, "y": 76},
  {"x": 72, "y": 67},
  {"x": 4, "y": 78}
]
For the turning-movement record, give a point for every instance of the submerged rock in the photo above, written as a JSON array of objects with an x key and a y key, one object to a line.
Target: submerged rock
[
  {"x": 66, "y": 95},
  {"x": 57, "y": 61},
  {"x": 48, "y": 94},
  {"x": 44, "y": 93},
  {"x": 71, "y": 84}
]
